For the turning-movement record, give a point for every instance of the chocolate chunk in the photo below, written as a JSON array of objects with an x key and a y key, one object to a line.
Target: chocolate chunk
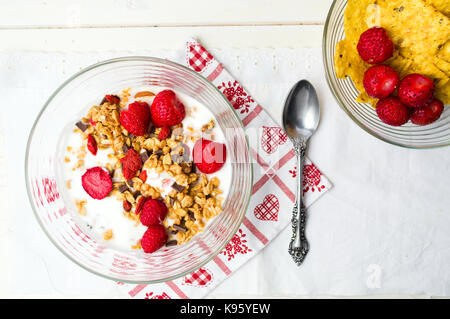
[
  {"x": 158, "y": 152},
  {"x": 112, "y": 173},
  {"x": 125, "y": 148},
  {"x": 179, "y": 228},
  {"x": 136, "y": 194},
  {"x": 171, "y": 243},
  {"x": 171, "y": 201},
  {"x": 178, "y": 188},
  {"x": 83, "y": 127},
  {"x": 173, "y": 231},
  {"x": 130, "y": 183},
  {"x": 103, "y": 101},
  {"x": 191, "y": 216},
  {"x": 144, "y": 156},
  {"x": 151, "y": 129},
  {"x": 123, "y": 187}
]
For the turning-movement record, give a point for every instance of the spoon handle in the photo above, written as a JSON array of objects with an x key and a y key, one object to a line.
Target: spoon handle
[{"x": 298, "y": 247}]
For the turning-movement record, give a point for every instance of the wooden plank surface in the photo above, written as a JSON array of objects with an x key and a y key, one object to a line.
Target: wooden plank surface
[{"x": 119, "y": 13}]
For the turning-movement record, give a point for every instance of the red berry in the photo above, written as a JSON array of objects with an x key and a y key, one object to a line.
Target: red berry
[
  {"x": 92, "y": 144},
  {"x": 126, "y": 205},
  {"x": 375, "y": 46},
  {"x": 415, "y": 90},
  {"x": 427, "y": 114},
  {"x": 154, "y": 238},
  {"x": 113, "y": 99},
  {"x": 136, "y": 119},
  {"x": 380, "y": 81},
  {"x": 140, "y": 203},
  {"x": 143, "y": 176},
  {"x": 164, "y": 133},
  {"x": 131, "y": 163},
  {"x": 97, "y": 182},
  {"x": 209, "y": 156},
  {"x": 153, "y": 212},
  {"x": 392, "y": 111},
  {"x": 166, "y": 109}
]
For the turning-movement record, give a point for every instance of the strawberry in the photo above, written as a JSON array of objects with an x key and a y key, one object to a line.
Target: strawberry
[
  {"x": 164, "y": 133},
  {"x": 392, "y": 111},
  {"x": 131, "y": 163},
  {"x": 126, "y": 205},
  {"x": 113, "y": 99},
  {"x": 143, "y": 176},
  {"x": 154, "y": 238},
  {"x": 209, "y": 156},
  {"x": 153, "y": 212},
  {"x": 136, "y": 119},
  {"x": 375, "y": 46},
  {"x": 166, "y": 109},
  {"x": 380, "y": 81},
  {"x": 427, "y": 114},
  {"x": 140, "y": 203},
  {"x": 97, "y": 182},
  {"x": 415, "y": 90},
  {"x": 92, "y": 144}
]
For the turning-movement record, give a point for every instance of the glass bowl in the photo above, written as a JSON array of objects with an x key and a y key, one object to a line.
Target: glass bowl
[
  {"x": 409, "y": 135},
  {"x": 46, "y": 190}
]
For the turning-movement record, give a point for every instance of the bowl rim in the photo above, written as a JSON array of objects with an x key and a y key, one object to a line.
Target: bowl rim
[
  {"x": 128, "y": 59},
  {"x": 328, "y": 76}
]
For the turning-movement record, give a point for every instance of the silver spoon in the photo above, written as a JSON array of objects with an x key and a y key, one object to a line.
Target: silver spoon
[{"x": 300, "y": 119}]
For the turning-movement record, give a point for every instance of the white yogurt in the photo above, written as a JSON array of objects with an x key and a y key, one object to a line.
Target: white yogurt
[{"x": 105, "y": 214}]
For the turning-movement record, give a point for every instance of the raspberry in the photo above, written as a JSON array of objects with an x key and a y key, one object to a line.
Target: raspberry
[
  {"x": 415, "y": 90},
  {"x": 92, "y": 144},
  {"x": 209, "y": 156},
  {"x": 126, "y": 205},
  {"x": 97, "y": 182},
  {"x": 131, "y": 163},
  {"x": 143, "y": 176},
  {"x": 164, "y": 133},
  {"x": 427, "y": 114},
  {"x": 166, "y": 109},
  {"x": 154, "y": 238},
  {"x": 153, "y": 212},
  {"x": 374, "y": 46},
  {"x": 140, "y": 203},
  {"x": 392, "y": 111},
  {"x": 380, "y": 81},
  {"x": 136, "y": 119}
]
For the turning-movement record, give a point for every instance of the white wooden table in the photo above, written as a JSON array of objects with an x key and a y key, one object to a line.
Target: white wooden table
[{"x": 83, "y": 26}]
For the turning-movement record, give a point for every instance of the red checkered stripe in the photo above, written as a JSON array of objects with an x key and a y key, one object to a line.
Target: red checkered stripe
[{"x": 198, "y": 58}]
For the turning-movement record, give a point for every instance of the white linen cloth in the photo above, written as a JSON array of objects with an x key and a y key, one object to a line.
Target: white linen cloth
[{"x": 382, "y": 229}]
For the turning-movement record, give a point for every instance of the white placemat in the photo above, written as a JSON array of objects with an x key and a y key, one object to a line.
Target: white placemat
[{"x": 384, "y": 228}]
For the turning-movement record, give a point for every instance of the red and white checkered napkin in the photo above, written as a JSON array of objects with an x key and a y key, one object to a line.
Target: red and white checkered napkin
[{"x": 272, "y": 199}]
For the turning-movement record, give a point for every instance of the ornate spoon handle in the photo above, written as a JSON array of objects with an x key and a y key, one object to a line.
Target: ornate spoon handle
[{"x": 298, "y": 248}]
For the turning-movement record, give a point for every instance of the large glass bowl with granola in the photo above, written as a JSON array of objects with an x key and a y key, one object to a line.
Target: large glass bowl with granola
[{"x": 138, "y": 170}]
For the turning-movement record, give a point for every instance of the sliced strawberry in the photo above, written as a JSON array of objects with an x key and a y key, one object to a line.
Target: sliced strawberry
[
  {"x": 131, "y": 163},
  {"x": 143, "y": 176},
  {"x": 92, "y": 144},
  {"x": 97, "y": 182},
  {"x": 140, "y": 203},
  {"x": 209, "y": 156}
]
